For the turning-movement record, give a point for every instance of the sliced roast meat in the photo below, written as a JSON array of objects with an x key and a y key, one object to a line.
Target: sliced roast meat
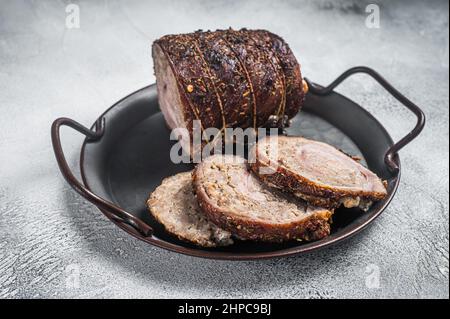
[
  {"x": 226, "y": 78},
  {"x": 174, "y": 205},
  {"x": 316, "y": 172},
  {"x": 235, "y": 199}
]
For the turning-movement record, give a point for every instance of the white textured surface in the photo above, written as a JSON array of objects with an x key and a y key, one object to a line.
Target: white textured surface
[{"x": 47, "y": 71}]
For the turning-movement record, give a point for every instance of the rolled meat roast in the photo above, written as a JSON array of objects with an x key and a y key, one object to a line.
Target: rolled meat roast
[{"x": 227, "y": 78}]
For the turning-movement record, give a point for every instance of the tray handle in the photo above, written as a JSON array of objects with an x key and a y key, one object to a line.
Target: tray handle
[
  {"x": 392, "y": 152},
  {"x": 116, "y": 213}
]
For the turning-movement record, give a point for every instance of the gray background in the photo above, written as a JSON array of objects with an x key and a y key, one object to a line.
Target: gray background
[{"x": 47, "y": 71}]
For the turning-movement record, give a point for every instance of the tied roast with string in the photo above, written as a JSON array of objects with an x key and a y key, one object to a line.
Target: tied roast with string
[{"x": 227, "y": 79}]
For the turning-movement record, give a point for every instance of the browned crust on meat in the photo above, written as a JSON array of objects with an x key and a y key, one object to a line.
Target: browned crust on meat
[
  {"x": 287, "y": 180},
  {"x": 294, "y": 88},
  {"x": 274, "y": 85},
  {"x": 192, "y": 112},
  {"x": 235, "y": 77},
  {"x": 263, "y": 71},
  {"x": 314, "y": 227},
  {"x": 228, "y": 36}
]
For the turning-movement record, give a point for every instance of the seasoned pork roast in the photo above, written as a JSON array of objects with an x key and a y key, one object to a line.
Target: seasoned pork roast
[
  {"x": 227, "y": 78},
  {"x": 316, "y": 172},
  {"x": 174, "y": 205},
  {"x": 236, "y": 200}
]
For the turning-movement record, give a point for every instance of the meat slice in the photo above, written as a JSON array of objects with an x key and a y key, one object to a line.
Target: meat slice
[
  {"x": 234, "y": 199},
  {"x": 174, "y": 205},
  {"x": 316, "y": 172},
  {"x": 226, "y": 78}
]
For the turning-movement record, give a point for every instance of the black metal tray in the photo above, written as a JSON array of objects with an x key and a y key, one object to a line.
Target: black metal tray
[{"x": 126, "y": 155}]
